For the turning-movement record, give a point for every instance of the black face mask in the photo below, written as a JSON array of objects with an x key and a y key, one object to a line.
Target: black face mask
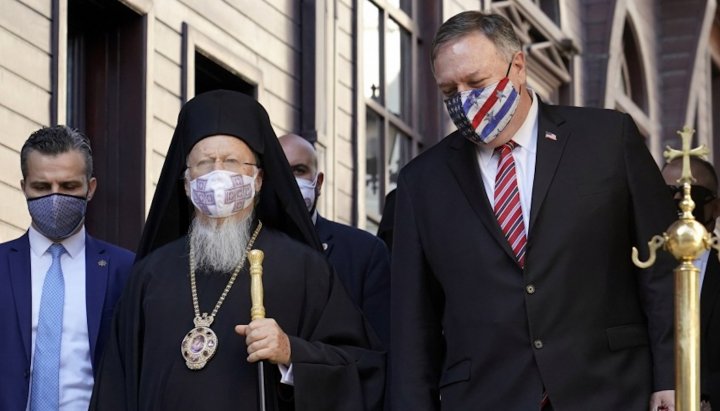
[{"x": 701, "y": 196}]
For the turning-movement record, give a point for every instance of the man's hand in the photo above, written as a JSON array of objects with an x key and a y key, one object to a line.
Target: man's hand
[
  {"x": 662, "y": 401},
  {"x": 265, "y": 341}
]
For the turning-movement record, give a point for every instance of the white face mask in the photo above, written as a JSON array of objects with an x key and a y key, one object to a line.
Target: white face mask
[
  {"x": 222, "y": 193},
  {"x": 307, "y": 188}
]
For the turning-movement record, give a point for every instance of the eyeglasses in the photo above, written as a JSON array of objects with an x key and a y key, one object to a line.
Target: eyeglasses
[
  {"x": 697, "y": 192},
  {"x": 205, "y": 166}
]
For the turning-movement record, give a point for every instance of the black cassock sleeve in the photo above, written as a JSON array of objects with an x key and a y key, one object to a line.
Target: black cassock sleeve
[{"x": 331, "y": 372}]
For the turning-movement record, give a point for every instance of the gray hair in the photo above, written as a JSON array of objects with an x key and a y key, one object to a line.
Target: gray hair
[
  {"x": 495, "y": 27},
  {"x": 57, "y": 140}
]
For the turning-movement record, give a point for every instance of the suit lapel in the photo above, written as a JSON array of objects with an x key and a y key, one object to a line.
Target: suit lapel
[
  {"x": 710, "y": 289},
  {"x": 20, "y": 281},
  {"x": 97, "y": 263},
  {"x": 463, "y": 162},
  {"x": 551, "y": 140},
  {"x": 325, "y": 234}
]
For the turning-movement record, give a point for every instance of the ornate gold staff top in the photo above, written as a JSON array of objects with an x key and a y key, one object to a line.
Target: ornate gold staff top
[
  {"x": 257, "y": 311},
  {"x": 686, "y": 239}
]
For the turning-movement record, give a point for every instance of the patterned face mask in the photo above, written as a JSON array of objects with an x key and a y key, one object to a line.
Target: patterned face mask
[
  {"x": 222, "y": 193},
  {"x": 57, "y": 216},
  {"x": 481, "y": 114}
]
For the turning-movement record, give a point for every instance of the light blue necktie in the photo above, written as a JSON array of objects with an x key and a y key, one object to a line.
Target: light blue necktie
[{"x": 45, "y": 389}]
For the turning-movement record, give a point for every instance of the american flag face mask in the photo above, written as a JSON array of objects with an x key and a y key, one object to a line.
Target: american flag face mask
[{"x": 481, "y": 114}]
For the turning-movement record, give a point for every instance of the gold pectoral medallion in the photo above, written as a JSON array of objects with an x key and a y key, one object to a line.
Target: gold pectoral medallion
[{"x": 200, "y": 344}]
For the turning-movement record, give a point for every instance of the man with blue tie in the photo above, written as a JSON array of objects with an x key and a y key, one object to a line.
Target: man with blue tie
[{"x": 58, "y": 285}]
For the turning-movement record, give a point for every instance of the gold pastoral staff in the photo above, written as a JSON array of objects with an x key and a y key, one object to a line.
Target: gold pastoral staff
[
  {"x": 686, "y": 239},
  {"x": 257, "y": 312}
]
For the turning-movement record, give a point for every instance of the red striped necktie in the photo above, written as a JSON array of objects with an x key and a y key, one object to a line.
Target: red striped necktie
[{"x": 507, "y": 202}]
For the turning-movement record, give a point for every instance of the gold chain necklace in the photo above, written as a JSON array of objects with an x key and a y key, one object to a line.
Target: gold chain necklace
[{"x": 200, "y": 344}]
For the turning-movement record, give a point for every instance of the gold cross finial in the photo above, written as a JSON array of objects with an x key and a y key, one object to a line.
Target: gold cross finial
[{"x": 670, "y": 154}]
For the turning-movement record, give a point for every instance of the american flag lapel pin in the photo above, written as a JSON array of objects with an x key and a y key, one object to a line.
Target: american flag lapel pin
[{"x": 550, "y": 136}]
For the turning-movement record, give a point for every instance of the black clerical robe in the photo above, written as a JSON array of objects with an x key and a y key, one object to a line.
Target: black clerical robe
[{"x": 333, "y": 365}]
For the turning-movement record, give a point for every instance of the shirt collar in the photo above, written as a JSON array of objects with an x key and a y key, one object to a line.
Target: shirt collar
[
  {"x": 525, "y": 136},
  {"x": 39, "y": 244},
  {"x": 702, "y": 260}
]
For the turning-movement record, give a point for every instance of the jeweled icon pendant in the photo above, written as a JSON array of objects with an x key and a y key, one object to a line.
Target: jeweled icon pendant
[{"x": 200, "y": 344}]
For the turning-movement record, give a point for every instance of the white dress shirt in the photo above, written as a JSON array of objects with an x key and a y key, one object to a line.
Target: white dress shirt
[
  {"x": 524, "y": 155},
  {"x": 701, "y": 264},
  {"x": 76, "y": 378}
]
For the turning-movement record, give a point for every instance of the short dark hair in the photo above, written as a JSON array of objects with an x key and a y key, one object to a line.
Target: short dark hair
[
  {"x": 495, "y": 27},
  {"x": 57, "y": 140}
]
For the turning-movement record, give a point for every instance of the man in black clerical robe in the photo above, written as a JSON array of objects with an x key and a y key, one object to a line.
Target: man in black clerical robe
[{"x": 314, "y": 338}]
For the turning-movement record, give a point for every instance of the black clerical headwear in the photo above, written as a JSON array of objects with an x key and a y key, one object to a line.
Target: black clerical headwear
[{"x": 231, "y": 113}]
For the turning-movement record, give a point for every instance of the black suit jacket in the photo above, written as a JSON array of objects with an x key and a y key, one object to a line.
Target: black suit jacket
[
  {"x": 362, "y": 262},
  {"x": 473, "y": 330},
  {"x": 710, "y": 329},
  {"x": 385, "y": 228}
]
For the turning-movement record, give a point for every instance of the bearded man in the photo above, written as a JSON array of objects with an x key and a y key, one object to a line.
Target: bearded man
[{"x": 182, "y": 336}]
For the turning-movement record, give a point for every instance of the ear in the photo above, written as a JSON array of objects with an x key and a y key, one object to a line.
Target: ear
[
  {"x": 23, "y": 186},
  {"x": 319, "y": 183},
  {"x": 186, "y": 183},
  {"x": 712, "y": 209},
  {"x": 258, "y": 181},
  {"x": 715, "y": 207},
  {"x": 92, "y": 185},
  {"x": 519, "y": 68}
]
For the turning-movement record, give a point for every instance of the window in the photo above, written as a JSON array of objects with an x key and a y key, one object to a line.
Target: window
[
  {"x": 208, "y": 65},
  {"x": 632, "y": 81},
  {"x": 548, "y": 49},
  {"x": 392, "y": 105},
  {"x": 551, "y": 8},
  {"x": 106, "y": 100},
  {"x": 210, "y": 75}
]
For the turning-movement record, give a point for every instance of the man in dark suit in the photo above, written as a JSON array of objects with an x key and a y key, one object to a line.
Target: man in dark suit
[
  {"x": 707, "y": 210},
  {"x": 385, "y": 228},
  {"x": 360, "y": 259},
  {"x": 512, "y": 282},
  {"x": 58, "y": 285}
]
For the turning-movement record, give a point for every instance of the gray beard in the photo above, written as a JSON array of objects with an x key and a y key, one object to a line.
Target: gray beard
[{"x": 219, "y": 245}]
